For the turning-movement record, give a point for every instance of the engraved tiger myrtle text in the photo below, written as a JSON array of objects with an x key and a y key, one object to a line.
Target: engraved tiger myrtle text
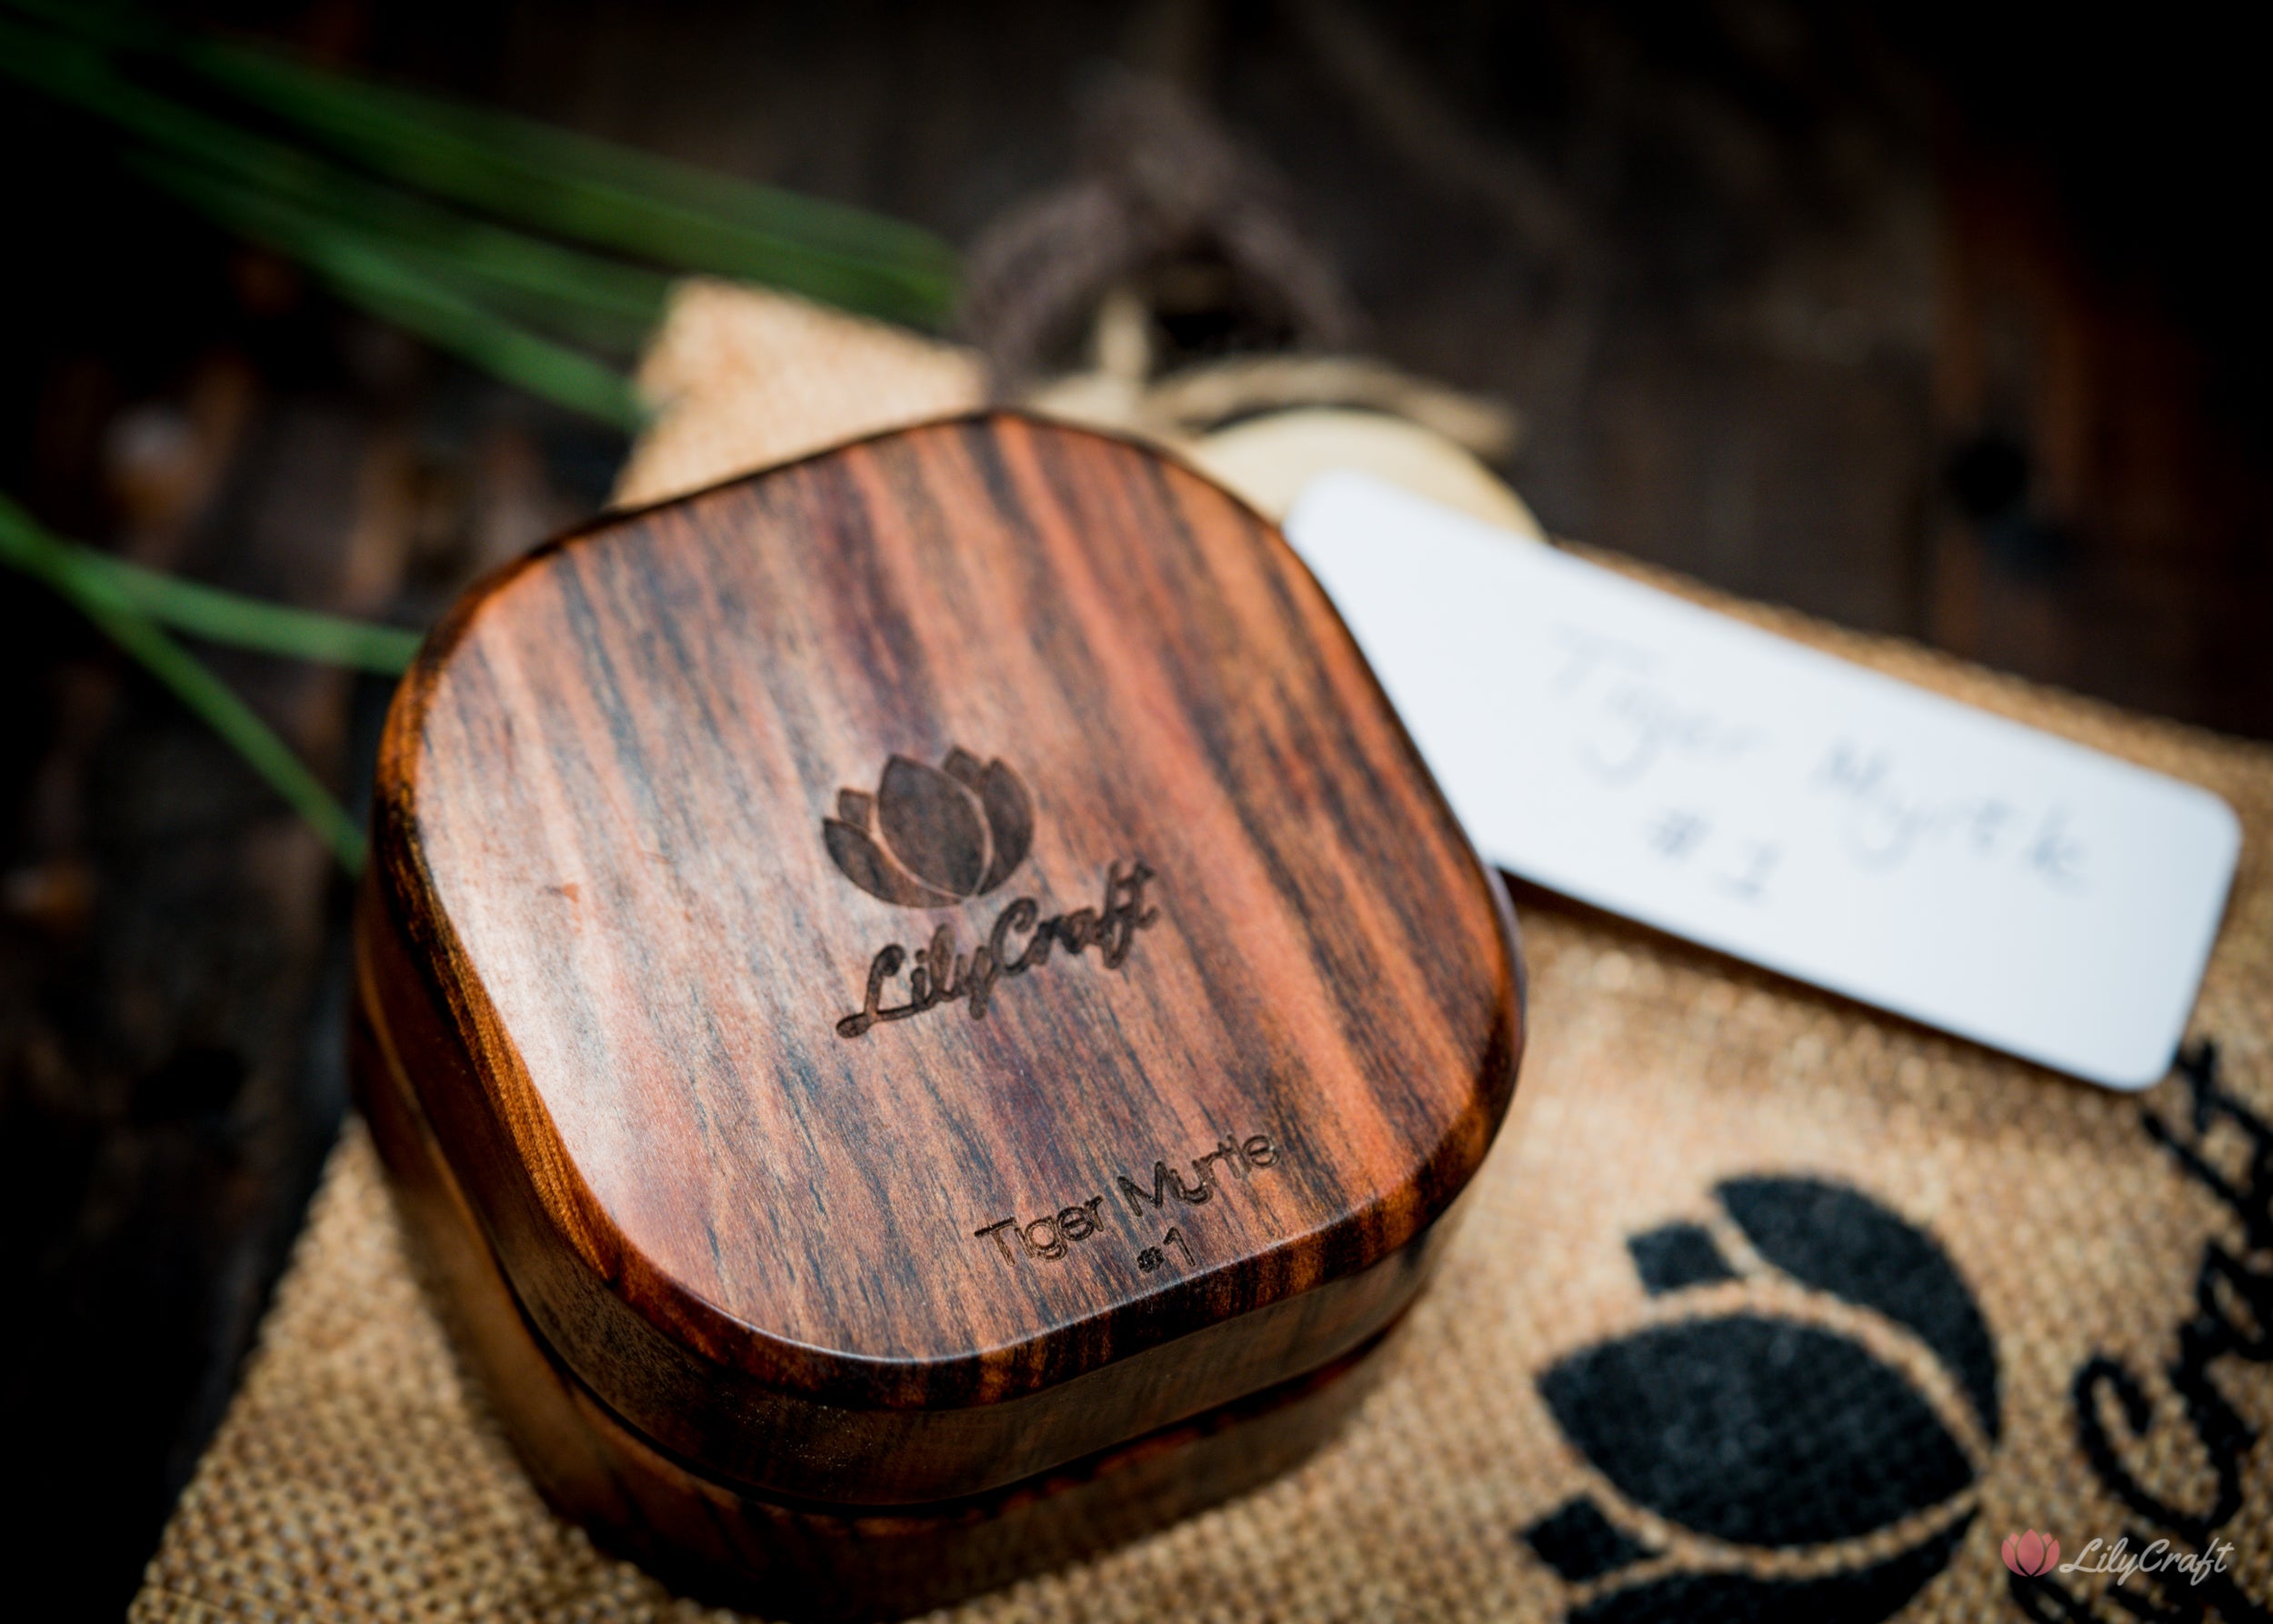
[
  {"x": 1045, "y": 1236},
  {"x": 1257, "y": 1152},
  {"x": 1049, "y": 1237},
  {"x": 1021, "y": 939}
]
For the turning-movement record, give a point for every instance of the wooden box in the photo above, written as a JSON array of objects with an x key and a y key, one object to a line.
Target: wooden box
[{"x": 923, "y": 1012}]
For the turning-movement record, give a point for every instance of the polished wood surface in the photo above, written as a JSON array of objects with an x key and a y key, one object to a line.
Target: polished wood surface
[
  {"x": 933, "y": 960},
  {"x": 799, "y": 1558}
]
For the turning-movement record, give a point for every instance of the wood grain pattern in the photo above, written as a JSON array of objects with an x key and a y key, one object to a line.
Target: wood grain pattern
[
  {"x": 1047, "y": 755},
  {"x": 783, "y": 1557}
]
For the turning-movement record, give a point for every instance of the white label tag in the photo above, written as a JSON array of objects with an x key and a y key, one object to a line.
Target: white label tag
[{"x": 1620, "y": 746}]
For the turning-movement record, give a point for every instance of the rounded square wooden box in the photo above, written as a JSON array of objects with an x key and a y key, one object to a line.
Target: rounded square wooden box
[{"x": 923, "y": 1012}]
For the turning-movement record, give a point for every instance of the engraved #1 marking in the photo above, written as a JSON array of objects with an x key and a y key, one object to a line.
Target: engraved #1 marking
[{"x": 1049, "y": 1238}]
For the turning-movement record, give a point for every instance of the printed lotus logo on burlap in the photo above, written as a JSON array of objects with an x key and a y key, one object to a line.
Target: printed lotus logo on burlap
[
  {"x": 1793, "y": 1435},
  {"x": 931, "y": 837}
]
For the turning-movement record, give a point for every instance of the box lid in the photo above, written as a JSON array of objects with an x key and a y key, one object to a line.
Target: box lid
[{"x": 933, "y": 959}]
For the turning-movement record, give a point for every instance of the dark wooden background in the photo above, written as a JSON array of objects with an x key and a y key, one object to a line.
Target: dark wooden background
[{"x": 1933, "y": 319}]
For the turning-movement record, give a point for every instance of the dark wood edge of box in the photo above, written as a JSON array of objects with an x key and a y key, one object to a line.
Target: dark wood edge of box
[
  {"x": 789, "y": 1443},
  {"x": 794, "y": 1554}
]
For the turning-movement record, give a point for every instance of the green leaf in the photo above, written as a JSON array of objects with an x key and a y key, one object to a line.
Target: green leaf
[{"x": 97, "y": 594}]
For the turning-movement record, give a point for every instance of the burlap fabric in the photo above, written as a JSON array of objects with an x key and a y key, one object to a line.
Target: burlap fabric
[{"x": 1768, "y": 1307}]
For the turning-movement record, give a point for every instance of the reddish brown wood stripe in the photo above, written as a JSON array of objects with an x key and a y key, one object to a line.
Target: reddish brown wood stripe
[{"x": 933, "y": 959}]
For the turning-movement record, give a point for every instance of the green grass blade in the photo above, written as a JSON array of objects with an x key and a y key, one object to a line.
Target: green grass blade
[
  {"x": 506, "y": 260},
  {"x": 234, "y": 721},
  {"x": 28, "y": 548},
  {"x": 367, "y": 272},
  {"x": 397, "y": 292},
  {"x": 617, "y": 327},
  {"x": 563, "y": 290},
  {"x": 361, "y": 267},
  {"x": 570, "y": 184},
  {"x": 597, "y": 192},
  {"x": 560, "y": 291},
  {"x": 248, "y": 623}
]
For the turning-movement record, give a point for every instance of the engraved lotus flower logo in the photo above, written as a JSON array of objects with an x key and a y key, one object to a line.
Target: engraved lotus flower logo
[
  {"x": 931, "y": 837},
  {"x": 2031, "y": 1554}
]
